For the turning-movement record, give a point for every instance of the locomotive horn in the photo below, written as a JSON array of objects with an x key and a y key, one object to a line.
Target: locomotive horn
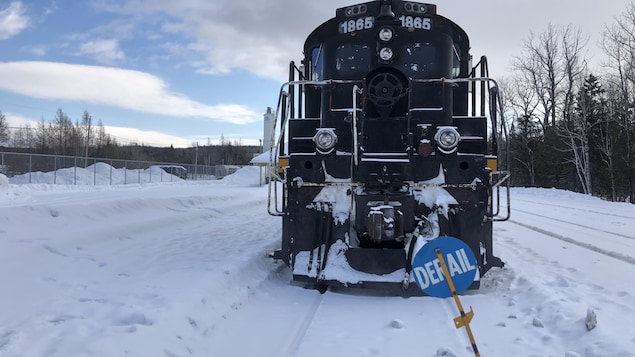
[{"x": 386, "y": 10}]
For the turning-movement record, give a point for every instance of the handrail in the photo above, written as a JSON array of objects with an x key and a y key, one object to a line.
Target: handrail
[
  {"x": 356, "y": 90},
  {"x": 275, "y": 152}
]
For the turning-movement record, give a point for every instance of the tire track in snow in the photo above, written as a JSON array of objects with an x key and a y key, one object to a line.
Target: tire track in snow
[
  {"x": 574, "y": 208},
  {"x": 619, "y": 256},
  {"x": 294, "y": 343},
  {"x": 576, "y": 224}
]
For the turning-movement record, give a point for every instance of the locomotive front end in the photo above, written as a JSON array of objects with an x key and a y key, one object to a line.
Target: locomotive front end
[{"x": 387, "y": 139}]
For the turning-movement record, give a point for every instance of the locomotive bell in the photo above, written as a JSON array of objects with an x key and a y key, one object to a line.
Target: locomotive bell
[{"x": 386, "y": 10}]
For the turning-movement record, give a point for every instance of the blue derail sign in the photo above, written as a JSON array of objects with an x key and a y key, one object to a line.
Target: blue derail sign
[{"x": 459, "y": 260}]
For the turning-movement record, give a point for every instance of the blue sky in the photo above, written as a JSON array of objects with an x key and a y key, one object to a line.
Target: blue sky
[{"x": 168, "y": 72}]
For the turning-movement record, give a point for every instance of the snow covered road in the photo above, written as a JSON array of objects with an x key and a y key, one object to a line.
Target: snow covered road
[{"x": 181, "y": 269}]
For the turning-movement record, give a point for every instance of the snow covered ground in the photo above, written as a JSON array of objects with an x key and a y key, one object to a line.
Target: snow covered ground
[{"x": 181, "y": 269}]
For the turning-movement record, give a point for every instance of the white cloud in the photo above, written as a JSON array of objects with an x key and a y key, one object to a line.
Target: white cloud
[
  {"x": 36, "y": 50},
  {"x": 12, "y": 20},
  {"x": 217, "y": 37},
  {"x": 144, "y": 137},
  {"x": 51, "y": 9},
  {"x": 108, "y": 86},
  {"x": 263, "y": 36},
  {"x": 125, "y": 136},
  {"x": 104, "y": 51},
  {"x": 16, "y": 121}
]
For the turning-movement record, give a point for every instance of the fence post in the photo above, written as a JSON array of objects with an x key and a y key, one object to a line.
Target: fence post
[
  {"x": 94, "y": 171},
  {"x": 75, "y": 171},
  {"x": 30, "y": 167}
]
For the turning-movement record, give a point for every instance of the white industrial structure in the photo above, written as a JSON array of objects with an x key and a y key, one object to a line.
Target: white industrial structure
[
  {"x": 263, "y": 160},
  {"x": 267, "y": 143}
]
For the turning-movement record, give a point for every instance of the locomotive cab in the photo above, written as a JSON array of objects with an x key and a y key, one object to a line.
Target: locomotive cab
[{"x": 386, "y": 140}]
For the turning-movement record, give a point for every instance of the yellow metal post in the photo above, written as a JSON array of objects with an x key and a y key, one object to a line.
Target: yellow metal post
[{"x": 465, "y": 318}]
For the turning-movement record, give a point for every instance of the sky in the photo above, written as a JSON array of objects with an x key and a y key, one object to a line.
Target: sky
[
  {"x": 173, "y": 269},
  {"x": 160, "y": 72}
]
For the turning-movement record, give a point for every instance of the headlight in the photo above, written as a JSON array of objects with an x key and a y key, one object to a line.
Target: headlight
[
  {"x": 447, "y": 138},
  {"x": 385, "y": 54},
  {"x": 385, "y": 34},
  {"x": 325, "y": 140}
]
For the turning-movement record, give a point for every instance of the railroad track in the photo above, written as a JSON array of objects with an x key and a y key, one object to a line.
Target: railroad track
[
  {"x": 612, "y": 214},
  {"x": 620, "y": 256},
  {"x": 577, "y": 224}
]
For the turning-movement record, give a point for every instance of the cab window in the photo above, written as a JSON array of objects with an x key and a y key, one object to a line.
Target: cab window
[{"x": 316, "y": 64}]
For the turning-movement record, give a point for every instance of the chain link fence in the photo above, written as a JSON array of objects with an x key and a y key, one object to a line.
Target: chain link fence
[{"x": 23, "y": 168}]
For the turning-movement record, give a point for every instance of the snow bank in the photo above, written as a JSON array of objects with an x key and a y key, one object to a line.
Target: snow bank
[
  {"x": 100, "y": 173},
  {"x": 4, "y": 182},
  {"x": 246, "y": 176}
]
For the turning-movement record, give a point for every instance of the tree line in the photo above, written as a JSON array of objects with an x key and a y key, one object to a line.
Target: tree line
[
  {"x": 573, "y": 127},
  {"x": 60, "y": 136},
  {"x": 84, "y": 138}
]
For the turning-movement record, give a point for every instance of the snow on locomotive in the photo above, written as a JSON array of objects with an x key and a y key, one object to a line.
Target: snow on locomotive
[{"x": 386, "y": 138}]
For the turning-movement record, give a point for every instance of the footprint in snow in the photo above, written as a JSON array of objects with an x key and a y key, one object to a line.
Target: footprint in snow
[
  {"x": 193, "y": 323},
  {"x": 134, "y": 319},
  {"x": 559, "y": 282},
  {"x": 60, "y": 319},
  {"x": 445, "y": 352},
  {"x": 53, "y": 250}
]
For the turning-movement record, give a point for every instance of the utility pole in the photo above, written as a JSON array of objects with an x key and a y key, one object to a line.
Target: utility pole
[{"x": 196, "y": 161}]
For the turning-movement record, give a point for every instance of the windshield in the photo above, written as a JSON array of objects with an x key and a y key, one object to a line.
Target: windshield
[
  {"x": 420, "y": 58},
  {"x": 350, "y": 59}
]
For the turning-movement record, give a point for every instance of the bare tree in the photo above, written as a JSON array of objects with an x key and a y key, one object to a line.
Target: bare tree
[
  {"x": 43, "y": 136},
  {"x": 540, "y": 64},
  {"x": 576, "y": 131},
  {"x": 4, "y": 129},
  {"x": 573, "y": 44},
  {"x": 550, "y": 68},
  {"x": 87, "y": 124},
  {"x": 520, "y": 102},
  {"x": 551, "y": 63},
  {"x": 619, "y": 46},
  {"x": 62, "y": 127},
  {"x": 23, "y": 137},
  {"x": 576, "y": 122}
]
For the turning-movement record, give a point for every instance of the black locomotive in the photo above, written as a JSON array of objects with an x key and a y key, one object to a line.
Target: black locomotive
[{"x": 386, "y": 138}]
